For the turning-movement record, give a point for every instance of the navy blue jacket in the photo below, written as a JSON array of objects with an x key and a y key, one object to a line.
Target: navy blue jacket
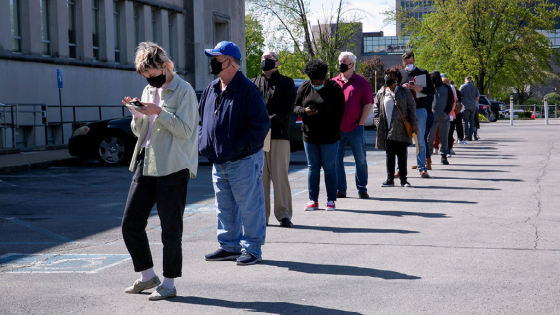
[{"x": 233, "y": 124}]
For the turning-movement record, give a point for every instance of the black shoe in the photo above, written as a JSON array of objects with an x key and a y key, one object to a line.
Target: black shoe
[
  {"x": 363, "y": 195},
  {"x": 247, "y": 259},
  {"x": 286, "y": 222},
  {"x": 221, "y": 255},
  {"x": 388, "y": 183},
  {"x": 476, "y": 138},
  {"x": 340, "y": 195},
  {"x": 444, "y": 160},
  {"x": 405, "y": 184}
]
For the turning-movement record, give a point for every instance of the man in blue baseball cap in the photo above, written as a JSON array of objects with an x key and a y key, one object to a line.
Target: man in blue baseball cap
[{"x": 232, "y": 129}]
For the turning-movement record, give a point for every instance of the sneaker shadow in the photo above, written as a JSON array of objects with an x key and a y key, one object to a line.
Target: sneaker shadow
[
  {"x": 335, "y": 229},
  {"x": 261, "y": 307},
  {"x": 424, "y": 200},
  {"x": 454, "y": 188},
  {"x": 338, "y": 270}
]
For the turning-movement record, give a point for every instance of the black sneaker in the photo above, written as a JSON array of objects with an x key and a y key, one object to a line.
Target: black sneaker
[
  {"x": 405, "y": 184},
  {"x": 286, "y": 222},
  {"x": 363, "y": 195},
  {"x": 388, "y": 183},
  {"x": 221, "y": 255},
  {"x": 444, "y": 160},
  {"x": 340, "y": 195},
  {"x": 247, "y": 259}
]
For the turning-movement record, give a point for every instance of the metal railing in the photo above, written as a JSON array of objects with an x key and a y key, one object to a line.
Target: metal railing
[
  {"x": 539, "y": 110},
  {"x": 15, "y": 116}
]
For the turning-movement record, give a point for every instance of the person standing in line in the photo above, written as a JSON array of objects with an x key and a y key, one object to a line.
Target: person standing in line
[
  {"x": 470, "y": 96},
  {"x": 409, "y": 72},
  {"x": 452, "y": 115},
  {"x": 165, "y": 157},
  {"x": 459, "y": 116},
  {"x": 279, "y": 94},
  {"x": 232, "y": 129},
  {"x": 441, "y": 106},
  {"x": 393, "y": 104},
  {"x": 359, "y": 100},
  {"x": 320, "y": 104}
]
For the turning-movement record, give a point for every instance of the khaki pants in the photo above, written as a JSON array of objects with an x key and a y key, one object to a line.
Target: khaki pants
[{"x": 276, "y": 163}]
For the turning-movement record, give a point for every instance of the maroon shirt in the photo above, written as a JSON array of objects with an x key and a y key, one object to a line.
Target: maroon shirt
[{"x": 357, "y": 94}]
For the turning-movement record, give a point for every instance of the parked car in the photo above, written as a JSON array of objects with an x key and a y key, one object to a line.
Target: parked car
[
  {"x": 489, "y": 109},
  {"x": 110, "y": 141},
  {"x": 296, "y": 135}
]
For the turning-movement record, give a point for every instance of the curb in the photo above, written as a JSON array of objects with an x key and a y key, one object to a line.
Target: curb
[{"x": 38, "y": 165}]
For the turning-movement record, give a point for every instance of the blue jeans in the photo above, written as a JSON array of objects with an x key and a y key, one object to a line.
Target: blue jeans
[
  {"x": 357, "y": 143},
  {"x": 321, "y": 155},
  {"x": 429, "y": 123},
  {"x": 240, "y": 204},
  {"x": 421, "y": 156}
]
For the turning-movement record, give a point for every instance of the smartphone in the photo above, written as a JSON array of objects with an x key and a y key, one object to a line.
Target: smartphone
[
  {"x": 136, "y": 103},
  {"x": 411, "y": 82},
  {"x": 311, "y": 107}
]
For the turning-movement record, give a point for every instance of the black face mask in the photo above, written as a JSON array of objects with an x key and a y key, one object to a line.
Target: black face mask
[
  {"x": 268, "y": 64},
  {"x": 389, "y": 81},
  {"x": 158, "y": 81},
  {"x": 343, "y": 68},
  {"x": 216, "y": 66}
]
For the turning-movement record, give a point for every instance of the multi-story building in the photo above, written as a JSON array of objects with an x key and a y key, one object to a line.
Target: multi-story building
[{"x": 92, "y": 44}]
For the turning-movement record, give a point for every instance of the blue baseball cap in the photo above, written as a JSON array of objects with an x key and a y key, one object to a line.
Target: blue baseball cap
[{"x": 224, "y": 48}]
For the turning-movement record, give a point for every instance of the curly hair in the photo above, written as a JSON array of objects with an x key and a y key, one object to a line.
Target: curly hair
[
  {"x": 394, "y": 72},
  {"x": 151, "y": 56},
  {"x": 316, "y": 69}
]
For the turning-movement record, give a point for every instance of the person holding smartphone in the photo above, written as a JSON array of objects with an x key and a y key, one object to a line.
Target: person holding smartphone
[
  {"x": 320, "y": 104},
  {"x": 165, "y": 157}
]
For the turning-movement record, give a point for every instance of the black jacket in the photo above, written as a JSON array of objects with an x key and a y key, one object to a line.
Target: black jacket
[
  {"x": 279, "y": 95},
  {"x": 429, "y": 90},
  {"x": 323, "y": 127}
]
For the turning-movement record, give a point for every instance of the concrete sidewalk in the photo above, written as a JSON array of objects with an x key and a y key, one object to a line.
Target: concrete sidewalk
[{"x": 24, "y": 161}]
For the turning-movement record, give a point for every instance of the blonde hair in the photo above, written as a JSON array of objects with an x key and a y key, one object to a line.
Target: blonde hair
[
  {"x": 151, "y": 56},
  {"x": 445, "y": 80}
]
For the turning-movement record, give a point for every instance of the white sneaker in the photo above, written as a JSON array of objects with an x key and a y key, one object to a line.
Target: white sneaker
[
  {"x": 331, "y": 206},
  {"x": 449, "y": 155},
  {"x": 463, "y": 142},
  {"x": 312, "y": 205}
]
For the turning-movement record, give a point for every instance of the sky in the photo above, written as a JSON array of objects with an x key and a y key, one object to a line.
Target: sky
[{"x": 374, "y": 22}]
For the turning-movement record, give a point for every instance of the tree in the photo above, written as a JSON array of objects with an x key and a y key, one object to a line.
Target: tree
[
  {"x": 324, "y": 40},
  {"x": 495, "y": 41},
  {"x": 254, "y": 43},
  {"x": 373, "y": 69}
]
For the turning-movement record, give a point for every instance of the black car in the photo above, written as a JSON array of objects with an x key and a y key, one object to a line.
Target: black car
[
  {"x": 296, "y": 135},
  {"x": 490, "y": 109}
]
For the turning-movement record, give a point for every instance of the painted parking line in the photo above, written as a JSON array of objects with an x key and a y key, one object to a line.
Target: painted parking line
[
  {"x": 60, "y": 263},
  {"x": 40, "y": 230}
]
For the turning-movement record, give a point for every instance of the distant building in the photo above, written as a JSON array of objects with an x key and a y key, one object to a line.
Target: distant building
[{"x": 93, "y": 43}]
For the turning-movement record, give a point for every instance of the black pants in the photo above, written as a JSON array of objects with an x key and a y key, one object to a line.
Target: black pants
[
  {"x": 458, "y": 124},
  {"x": 392, "y": 149},
  {"x": 170, "y": 194}
]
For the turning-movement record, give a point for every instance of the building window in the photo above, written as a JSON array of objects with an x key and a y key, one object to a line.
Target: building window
[
  {"x": 45, "y": 28},
  {"x": 171, "y": 35},
  {"x": 95, "y": 27},
  {"x": 117, "y": 15},
  {"x": 136, "y": 17},
  {"x": 71, "y": 28},
  {"x": 15, "y": 20},
  {"x": 154, "y": 26}
]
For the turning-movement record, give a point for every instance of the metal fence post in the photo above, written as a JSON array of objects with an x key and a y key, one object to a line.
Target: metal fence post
[
  {"x": 511, "y": 110},
  {"x": 545, "y": 111}
]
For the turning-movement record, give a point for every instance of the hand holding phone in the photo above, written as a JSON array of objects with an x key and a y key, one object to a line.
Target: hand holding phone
[
  {"x": 136, "y": 103},
  {"x": 411, "y": 82},
  {"x": 311, "y": 107}
]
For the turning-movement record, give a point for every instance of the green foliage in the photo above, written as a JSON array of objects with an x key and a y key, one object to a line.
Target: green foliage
[
  {"x": 368, "y": 68},
  {"x": 553, "y": 98},
  {"x": 532, "y": 101},
  {"x": 482, "y": 118},
  {"x": 291, "y": 65},
  {"x": 497, "y": 41},
  {"x": 254, "y": 42}
]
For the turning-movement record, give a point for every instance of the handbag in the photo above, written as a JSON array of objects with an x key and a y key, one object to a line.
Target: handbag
[
  {"x": 458, "y": 108},
  {"x": 406, "y": 121}
]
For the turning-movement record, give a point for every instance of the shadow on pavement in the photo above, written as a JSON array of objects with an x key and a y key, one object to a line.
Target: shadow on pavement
[
  {"x": 456, "y": 188},
  {"x": 482, "y": 179},
  {"x": 335, "y": 229},
  {"x": 485, "y": 165},
  {"x": 338, "y": 270},
  {"x": 399, "y": 213},
  {"x": 482, "y": 171},
  {"x": 424, "y": 200},
  {"x": 261, "y": 307}
]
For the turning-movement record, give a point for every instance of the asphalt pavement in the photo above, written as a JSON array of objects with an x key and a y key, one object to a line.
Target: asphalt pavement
[{"x": 479, "y": 237}]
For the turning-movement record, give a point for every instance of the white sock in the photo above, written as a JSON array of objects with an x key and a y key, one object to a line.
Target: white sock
[
  {"x": 169, "y": 283},
  {"x": 147, "y": 275}
]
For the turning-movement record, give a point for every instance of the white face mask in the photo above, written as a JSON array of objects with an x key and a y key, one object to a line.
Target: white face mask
[{"x": 409, "y": 67}]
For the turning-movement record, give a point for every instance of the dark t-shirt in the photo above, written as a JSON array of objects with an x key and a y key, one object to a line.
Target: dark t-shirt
[{"x": 323, "y": 127}]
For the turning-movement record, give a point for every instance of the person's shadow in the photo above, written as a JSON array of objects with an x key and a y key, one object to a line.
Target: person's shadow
[
  {"x": 338, "y": 270},
  {"x": 261, "y": 307}
]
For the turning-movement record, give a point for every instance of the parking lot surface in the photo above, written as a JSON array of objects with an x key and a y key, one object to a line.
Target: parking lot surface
[{"x": 479, "y": 237}]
